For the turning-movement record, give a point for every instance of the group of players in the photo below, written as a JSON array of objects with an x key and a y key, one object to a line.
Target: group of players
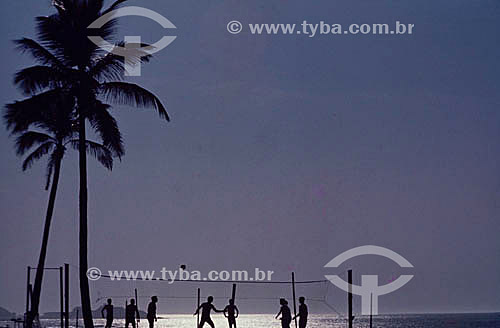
[
  {"x": 231, "y": 312},
  {"x": 131, "y": 313}
]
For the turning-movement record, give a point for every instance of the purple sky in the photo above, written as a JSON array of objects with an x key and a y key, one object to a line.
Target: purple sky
[{"x": 283, "y": 152}]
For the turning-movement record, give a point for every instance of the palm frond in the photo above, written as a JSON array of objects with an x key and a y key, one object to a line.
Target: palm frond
[
  {"x": 94, "y": 6},
  {"x": 66, "y": 33},
  {"x": 108, "y": 68},
  {"x": 38, "y": 78},
  {"x": 122, "y": 93},
  {"x": 114, "y": 6},
  {"x": 111, "y": 67},
  {"x": 106, "y": 126},
  {"x": 38, "y": 52},
  {"x": 30, "y": 138},
  {"x": 42, "y": 150},
  {"x": 98, "y": 151},
  {"x": 20, "y": 115}
]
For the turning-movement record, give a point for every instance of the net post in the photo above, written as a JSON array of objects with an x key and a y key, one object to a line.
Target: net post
[
  {"x": 371, "y": 309},
  {"x": 61, "y": 296},
  {"x": 30, "y": 293},
  {"x": 294, "y": 302},
  {"x": 66, "y": 295},
  {"x": 349, "y": 297},
  {"x": 30, "y": 297},
  {"x": 28, "y": 273},
  {"x": 233, "y": 294},
  {"x": 136, "y": 305},
  {"x": 76, "y": 323},
  {"x": 197, "y": 308}
]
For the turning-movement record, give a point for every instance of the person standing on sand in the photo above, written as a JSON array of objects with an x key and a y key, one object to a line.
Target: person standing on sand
[
  {"x": 205, "y": 312},
  {"x": 303, "y": 313},
  {"x": 286, "y": 315},
  {"x": 232, "y": 313},
  {"x": 109, "y": 313},
  {"x": 131, "y": 313},
  {"x": 152, "y": 311}
]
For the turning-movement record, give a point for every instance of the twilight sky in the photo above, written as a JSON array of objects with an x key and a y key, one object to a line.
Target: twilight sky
[{"x": 283, "y": 152}]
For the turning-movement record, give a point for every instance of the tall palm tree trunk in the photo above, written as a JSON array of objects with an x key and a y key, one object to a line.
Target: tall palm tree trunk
[
  {"x": 35, "y": 301},
  {"x": 83, "y": 235}
]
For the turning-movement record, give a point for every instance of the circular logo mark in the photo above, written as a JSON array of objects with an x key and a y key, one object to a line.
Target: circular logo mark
[
  {"x": 93, "y": 274},
  {"x": 369, "y": 289},
  {"x": 234, "y": 27}
]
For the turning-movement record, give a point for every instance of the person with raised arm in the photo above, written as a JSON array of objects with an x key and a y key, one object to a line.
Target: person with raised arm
[
  {"x": 131, "y": 313},
  {"x": 205, "y": 312}
]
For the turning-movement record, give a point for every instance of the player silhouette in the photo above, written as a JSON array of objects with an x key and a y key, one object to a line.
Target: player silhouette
[
  {"x": 303, "y": 313},
  {"x": 205, "y": 312},
  {"x": 152, "y": 311},
  {"x": 131, "y": 313},
  {"x": 109, "y": 313},
  {"x": 286, "y": 315},
  {"x": 231, "y": 312}
]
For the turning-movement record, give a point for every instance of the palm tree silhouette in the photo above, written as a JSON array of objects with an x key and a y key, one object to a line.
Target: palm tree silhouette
[
  {"x": 69, "y": 60},
  {"x": 57, "y": 121}
]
